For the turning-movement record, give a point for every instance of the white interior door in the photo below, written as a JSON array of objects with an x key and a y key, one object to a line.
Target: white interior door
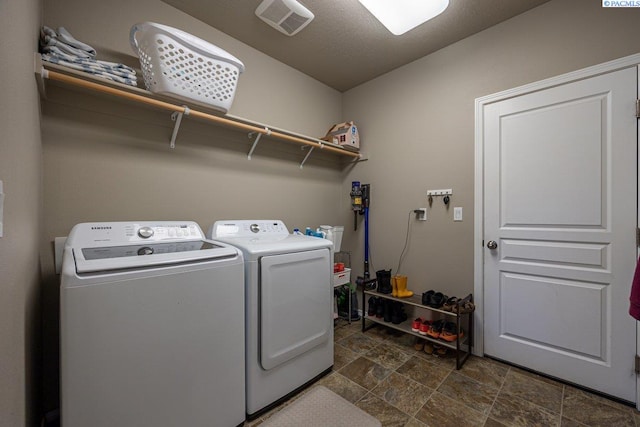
[{"x": 560, "y": 202}]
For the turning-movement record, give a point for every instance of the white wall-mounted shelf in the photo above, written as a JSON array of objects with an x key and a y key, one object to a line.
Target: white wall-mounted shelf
[{"x": 48, "y": 71}]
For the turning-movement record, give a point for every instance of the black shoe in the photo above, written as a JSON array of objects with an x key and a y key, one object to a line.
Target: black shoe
[
  {"x": 426, "y": 297},
  {"x": 437, "y": 300}
]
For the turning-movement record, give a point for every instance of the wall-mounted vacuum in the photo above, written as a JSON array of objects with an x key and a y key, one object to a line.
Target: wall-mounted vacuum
[{"x": 360, "y": 202}]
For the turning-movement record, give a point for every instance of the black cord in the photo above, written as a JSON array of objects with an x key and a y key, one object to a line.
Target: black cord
[{"x": 406, "y": 243}]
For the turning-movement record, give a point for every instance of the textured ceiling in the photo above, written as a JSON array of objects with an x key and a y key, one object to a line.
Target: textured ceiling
[{"x": 345, "y": 45}]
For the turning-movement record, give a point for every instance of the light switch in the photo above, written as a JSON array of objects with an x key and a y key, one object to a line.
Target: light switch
[{"x": 457, "y": 214}]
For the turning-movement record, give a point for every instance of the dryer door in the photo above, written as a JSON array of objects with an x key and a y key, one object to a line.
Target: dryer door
[{"x": 295, "y": 304}]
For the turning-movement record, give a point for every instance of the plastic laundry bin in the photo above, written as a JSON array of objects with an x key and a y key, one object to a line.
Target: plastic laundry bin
[{"x": 179, "y": 65}]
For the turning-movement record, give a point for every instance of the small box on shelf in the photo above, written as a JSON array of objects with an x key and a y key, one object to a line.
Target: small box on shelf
[{"x": 342, "y": 277}]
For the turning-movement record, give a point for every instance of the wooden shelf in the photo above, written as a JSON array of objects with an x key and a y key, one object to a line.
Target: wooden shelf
[{"x": 48, "y": 71}]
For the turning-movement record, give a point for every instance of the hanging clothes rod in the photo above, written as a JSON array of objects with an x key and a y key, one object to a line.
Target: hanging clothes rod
[{"x": 64, "y": 78}]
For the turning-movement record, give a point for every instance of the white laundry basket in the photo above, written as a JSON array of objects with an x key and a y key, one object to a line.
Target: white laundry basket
[{"x": 179, "y": 65}]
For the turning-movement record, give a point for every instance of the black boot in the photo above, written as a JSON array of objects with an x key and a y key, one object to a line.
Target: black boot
[
  {"x": 384, "y": 281},
  {"x": 373, "y": 306},
  {"x": 388, "y": 307},
  {"x": 397, "y": 313},
  {"x": 380, "y": 308}
]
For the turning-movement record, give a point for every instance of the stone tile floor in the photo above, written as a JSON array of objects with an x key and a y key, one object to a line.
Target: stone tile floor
[{"x": 380, "y": 372}]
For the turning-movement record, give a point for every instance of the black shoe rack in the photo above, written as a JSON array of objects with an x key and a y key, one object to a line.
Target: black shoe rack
[{"x": 463, "y": 321}]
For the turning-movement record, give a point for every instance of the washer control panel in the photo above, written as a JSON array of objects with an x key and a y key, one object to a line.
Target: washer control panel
[
  {"x": 163, "y": 232},
  {"x": 248, "y": 228},
  {"x": 156, "y": 232},
  {"x": 129, "y": 232}
]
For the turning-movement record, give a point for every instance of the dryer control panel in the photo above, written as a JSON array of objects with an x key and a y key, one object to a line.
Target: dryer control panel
[{"x": 248, "y": 228}]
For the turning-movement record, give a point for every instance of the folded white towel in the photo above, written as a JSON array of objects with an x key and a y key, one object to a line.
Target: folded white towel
[
  {"x": 100, "y": 72},
  {"x": 52, "y": 42},
  {"x": 117, "y": 68},
  {"x": 62, "y": 48},
  {"x": 46, "y": 31},
  {"x": 49, "y": 37},
  {"x": 66, "y": 37},
  {"x": 63, "y": 39}
]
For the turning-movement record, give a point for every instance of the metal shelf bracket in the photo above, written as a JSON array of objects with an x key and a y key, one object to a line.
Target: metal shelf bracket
[
  {"x": 44, "y": 74},
  {"x": 255, "y": 143},
  {"x": 307, "y": 156},
  {"x": 358, "y": 160},
  {"x": 176, "y": 116}
]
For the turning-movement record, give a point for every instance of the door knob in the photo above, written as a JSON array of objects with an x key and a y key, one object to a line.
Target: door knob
[{"x": 491, "y": 244}]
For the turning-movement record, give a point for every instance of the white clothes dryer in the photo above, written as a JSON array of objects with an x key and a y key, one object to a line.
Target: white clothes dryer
[
  {"x": 289, "y": 308},
  {"x": 151, "y": 327}
]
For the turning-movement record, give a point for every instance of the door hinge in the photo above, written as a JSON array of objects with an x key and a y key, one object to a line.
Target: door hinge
[
  {"x": 638, "y": 108},
  {"x": 637, "y": 364},
  {"x": 638, "y": 236}
]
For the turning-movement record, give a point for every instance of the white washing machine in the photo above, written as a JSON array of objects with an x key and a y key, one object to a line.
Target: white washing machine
[
  {"x": 151, "y": 327},
  {"x": 289, "y": 308}
]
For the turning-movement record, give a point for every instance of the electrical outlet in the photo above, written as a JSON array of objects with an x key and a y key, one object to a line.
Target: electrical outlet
[{"x": 421, "y": 214}]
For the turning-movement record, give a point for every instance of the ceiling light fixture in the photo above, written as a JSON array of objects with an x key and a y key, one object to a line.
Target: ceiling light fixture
[{"x": 400, "y": 16}]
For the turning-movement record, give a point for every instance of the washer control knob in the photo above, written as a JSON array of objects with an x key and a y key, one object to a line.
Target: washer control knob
[
  {"x": 254, "y": 228},
  {"x": 145, "y": 232}
]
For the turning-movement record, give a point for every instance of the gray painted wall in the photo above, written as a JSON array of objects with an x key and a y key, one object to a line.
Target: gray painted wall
[
  {"x": 417, "y": 124},
  {"x": 20, "y": 171}
]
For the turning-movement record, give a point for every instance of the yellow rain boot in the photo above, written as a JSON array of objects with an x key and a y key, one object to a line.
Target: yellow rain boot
[
  {"x": 394, "y": 286},
  {"x": 401, "y": 283}
]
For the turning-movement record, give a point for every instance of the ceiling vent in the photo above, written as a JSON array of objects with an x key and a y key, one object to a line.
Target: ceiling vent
[{"x": 286, "y": 16}]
